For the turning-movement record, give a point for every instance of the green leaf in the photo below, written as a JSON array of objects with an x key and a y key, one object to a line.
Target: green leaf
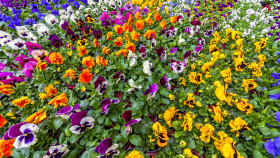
[
  {"x": 190, "y": 143},
  {"x": 266, "y": 131},
  {"x": 135, "y": 140},
  {"x": 74, "y": 153},
  {"x": 257, "y": 154},
  {"x": 164, "y": 92},
  {"x": 57, "y": 123},
  {"x": 88, "y": 154},
  {"x": 39, "y": 154},
  {"x": 165, "y": 101},
  {"x": 17, "y": 153},
  {"x": 259, "y": 145}
]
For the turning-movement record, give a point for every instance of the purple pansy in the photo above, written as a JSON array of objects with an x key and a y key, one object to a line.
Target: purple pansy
[
  {"x": 67, "y": 111},
  {"x": 173, "y": 50},
  {"x": 56, "y": 151},
  {"x": 28, "y": 68},
  {"x": 55, "y": 41},
  {"x": 106, "y": 149},
  {"x": 177, "y": 66},
  {"x": 165, "y": 82},
  {"x": 129, "y": 122},
  {"x": 5, "y": 74},
  {"x": 208, "y": 33},
  {"x": 2, "y": 66},
  {"x": 81, "y": 122},
  {"x": 161, "y": 52},
  {"x": 12, "y": 79},
  {"x": 151, "y": 91},
  {"x": 274, "y": 96},
  {"x": 106, "y": 104},
  {"x": 119, "y": 75},
  {"x": 276, "y": 76},
  {"x": 100, "y": 85},
  {"x": 32, "y": 46},
  {"x": 272, "y": 147},
  {"x": 23, "y": 134},
  {"x": 128, "y": 7}
]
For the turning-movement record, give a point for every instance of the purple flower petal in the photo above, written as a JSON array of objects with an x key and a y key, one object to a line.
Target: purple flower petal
[
  {"x": 127, "y": 115},
  {"x": 77, "y": 117},
  {"x": 103, "y": 146}
]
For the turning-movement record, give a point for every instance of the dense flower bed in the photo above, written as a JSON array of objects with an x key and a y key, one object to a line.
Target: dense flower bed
[{"x": 139, "y": 78}]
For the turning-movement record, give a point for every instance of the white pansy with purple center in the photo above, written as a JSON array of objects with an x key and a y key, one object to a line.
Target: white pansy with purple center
[
  {"x": 129, "y": 122},
  {"x": 106, "y": 149},
  {"x": 177, "y": 66},
  {"x": 81, "y": 122},
  {"x": 100, "y": 85},
  {"x": 23, "y": 134},
  {"x": 67, "y": 111},
  {"x": 147, "y": 68},
  {"x": 56, "y": 151}
]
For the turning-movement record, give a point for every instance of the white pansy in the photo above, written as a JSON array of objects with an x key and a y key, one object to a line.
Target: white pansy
[{"x": 147, "y": 68}]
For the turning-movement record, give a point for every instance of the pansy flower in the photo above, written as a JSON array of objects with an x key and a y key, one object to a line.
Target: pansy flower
[
  {"x": 177, "y": 66},
  {"x": 133, "y": 86},
  {"x": 151, "y": 91},
  {"x": 106, "y": 149},
  {"x": 147, "y": 68},
  {"x": 119, "y": 75},
  {"x": 273, "y": 147},
  {"x": 161, "y": 52},
  {"x": 132, "y": 57},
  {"x": 165, "y": 82},
  {"x": 129, "y": 122},
  {"x": 56, "y": 151},
  {"x": 106, "y": 104},
  {"x": 81, "y": 122},
  {"x": 100, "y": 85},
  {"x": 23, "y": 134},
  {"x": 67, "y": 111}
]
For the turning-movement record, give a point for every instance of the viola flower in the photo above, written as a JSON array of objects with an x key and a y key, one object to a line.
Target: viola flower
[
  {"x": 151, "y": 91},
  {"x": 244, "y": 106},
  {"x": 173, "y": 50},
  {"x": 142, "y": 52},
  {"x": 82, "y": 51},
  {"x": 55, "y": 41},
  {"x": 37, "y": 117},
  {"x": 50, "y": 90},
  {"x": 67, "y": 111},
  {"x": 118, "y": 41},
  {"x": 227, "y": 74},
  {"x": 140, "y": 24},
  {"x": 277, "y": 77},
  {"x": 71, "y": 73},
  {"x": 177, "y": 66},
  {"x": 118, "y": 75},
  {"x": 56, "y": 151},
  {"x": 89, "y": 19},
  {"x": 206, "y": 133},
  {"x": 161, "y": 52},
  {"x": 170, "y": 115},
  {"x": 272, "y": 147},
  {"x": 161, "y": 134},
  {"x": 106, "y": 149},
  {"x": 5, "y": 147},
  {"x": 100, "y": 85},
  {"x": 188, "y": 121},
  {"x": 129, "y": 122},
  {"x": 106, "y": 50},
  {"x": 122, "y": 51},
  {"x": 101, "y": 61},
  {"x": 97, "y": 34},
  {"x": 130, "y": 46},
  {"x": 191, "y": 100},
  {"x": 95, "y": 43},
  {"x": 195, "y": 78},
  {"x": 23, "y": 134},
  {"x": 60, "y": 100},
  {"x": 165, "y": 82},
  {"x": 238, "y": 125},
  {"x": 56, "y": 58},
  {"x": 86, "y": 30},
  {"x": 86, "y": 76},
  {"x": 6, "y": 88},
  {"x": 220, "y": 91},
  {"x": 88, "y": 62},
  {"x": 81, "y": 122},
  {"x": 147, "y": 68},
  {"x": 2, "y": 121},
  {"x": 32, "y": 46},
  {"x": 118, "y": 29},
  {"x": 21, "y": 102},
  {"x": 134, "y": 154},
  {"x": 133, "y": 86},
  {"x": 132, "y": 57},
  {"x": 249, "y": 84},
  {"x": 106, "y": 105},
  {"x": 217, "y": 117}
]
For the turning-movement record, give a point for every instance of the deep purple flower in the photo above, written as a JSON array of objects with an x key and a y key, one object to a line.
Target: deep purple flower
[
  {"x": 106, "y": 104},
  {"x": 106, "y": 148},
  {"x": 105, "y": 23},
  {"x": 119, "y": 75},
  {"x": 274, "y": 96},
  {"x": 161, "y": 52},
  {"x": 81, "y": 122},
  {"x": 165, "y": 82},
  {"x": 34, "y": 8},
  {"x": 208, "y": 33},
  {"x": 145, "y": 10},
  {"x": 67, "y": 111},
  {"x": 173, "y": 50},
  {"x": 55, "y": 41},
  {"x": 97, "y": 34},
  {"x": 151, "y": 91},
  {"x": 13, "y": 24},
  {"x": 129, "y": 122},
  {"x": 13, "y": 79},
  {"x": 23, "y": 134},
  {"x": 196, "y": 22},
  {"x": 100, "y": 85}
]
